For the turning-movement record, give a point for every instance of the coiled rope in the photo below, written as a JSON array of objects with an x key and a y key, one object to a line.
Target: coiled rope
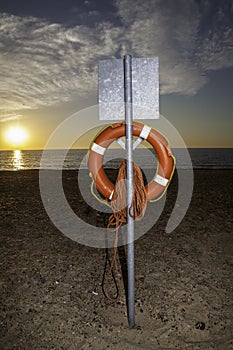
[{"x": 119, "y": 217}]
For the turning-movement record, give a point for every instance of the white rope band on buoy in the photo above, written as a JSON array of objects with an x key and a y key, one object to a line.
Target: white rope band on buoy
[
  {"x": 145, "y": 132},
  {"x": 98, "y": 149},
  {"x": 161, "y": 180}
]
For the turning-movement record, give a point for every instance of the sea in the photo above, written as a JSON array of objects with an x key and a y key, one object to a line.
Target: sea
[{"x": 196, "y": 158}]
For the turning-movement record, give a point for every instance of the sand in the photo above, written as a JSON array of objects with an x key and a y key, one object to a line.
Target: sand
[{"x": 51, "y": 286}]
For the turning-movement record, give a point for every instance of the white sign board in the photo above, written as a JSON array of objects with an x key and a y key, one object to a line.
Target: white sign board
[{"x": 145, "y": 89}]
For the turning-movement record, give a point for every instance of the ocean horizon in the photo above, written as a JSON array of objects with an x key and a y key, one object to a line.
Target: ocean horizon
[{"x": 73, "y": 159}]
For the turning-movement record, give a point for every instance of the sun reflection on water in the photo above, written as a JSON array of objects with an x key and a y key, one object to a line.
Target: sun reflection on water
[{"x": 17, "y": 160}]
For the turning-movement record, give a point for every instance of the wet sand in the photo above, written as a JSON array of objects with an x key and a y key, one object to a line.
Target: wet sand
[{"x": 51, "y": 286}]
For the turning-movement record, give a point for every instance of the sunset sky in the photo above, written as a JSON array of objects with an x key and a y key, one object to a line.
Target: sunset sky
[{"x": 49, "y": 53}]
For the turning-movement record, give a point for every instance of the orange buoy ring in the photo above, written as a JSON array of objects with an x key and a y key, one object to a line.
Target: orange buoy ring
[{"x": 166, "y": 161}]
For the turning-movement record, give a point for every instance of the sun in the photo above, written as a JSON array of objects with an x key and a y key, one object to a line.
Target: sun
[{"x": 16, "y": 135}]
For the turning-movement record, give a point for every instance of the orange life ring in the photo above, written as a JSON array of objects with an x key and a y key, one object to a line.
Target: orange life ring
[{"x": 103, "y": 140}]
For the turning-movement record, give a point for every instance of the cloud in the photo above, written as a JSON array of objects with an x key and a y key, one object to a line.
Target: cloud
[
  {"x": 8, "y": 117},
  {"x": 168, "y": 31},
  {"x": 43, "y": 63},
  {"x": 215, "y": 50},
  {"x": 190, "y": 38}
]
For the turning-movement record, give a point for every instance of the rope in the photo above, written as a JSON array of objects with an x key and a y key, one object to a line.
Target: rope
[
  {"x": 118, "y": 201},
  {"x": 102, "y": 201},
  {"x": 119, "y": 217},
  {"x": 116, "y": 277}
]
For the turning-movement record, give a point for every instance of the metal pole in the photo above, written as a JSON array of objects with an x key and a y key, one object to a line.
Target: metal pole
[{"x": 129, "y": 185}]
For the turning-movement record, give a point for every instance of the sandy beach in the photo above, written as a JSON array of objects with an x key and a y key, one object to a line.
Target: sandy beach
[{"x": 51, "y": 286}]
